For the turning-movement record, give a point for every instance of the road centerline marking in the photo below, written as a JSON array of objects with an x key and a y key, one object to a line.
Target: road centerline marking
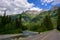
[{"x": 44, "y": 37}]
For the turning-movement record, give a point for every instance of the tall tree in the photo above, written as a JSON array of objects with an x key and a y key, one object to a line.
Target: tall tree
[
  {"x": 3, "y": 21},
  {"x": 18, "y": 23},
  {"x": 58, "y": 20},
  {"x": 47, "y": 22}
]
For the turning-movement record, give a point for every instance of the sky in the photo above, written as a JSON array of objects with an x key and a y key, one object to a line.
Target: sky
[{"x": 18, "y": 6}]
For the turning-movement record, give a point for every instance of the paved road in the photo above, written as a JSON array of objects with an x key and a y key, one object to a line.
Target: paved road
[
  {"x": 9, "y": 37},
  {"x": 52, "y": 35}
]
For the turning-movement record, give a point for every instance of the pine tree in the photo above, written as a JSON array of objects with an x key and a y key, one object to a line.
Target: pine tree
[
  {"x": 47, "y": 22},
  {"x": 20, "y": 21},
  {"x": 3, "y": 21},
  {"x": 17, "y": 24},
  {"x": 58, "y": 20}
]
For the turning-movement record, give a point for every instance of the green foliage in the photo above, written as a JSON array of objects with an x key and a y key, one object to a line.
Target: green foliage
[
  {"x": 34, "y": 27},
  {"x": 18, "y": 23},
  {"x": 47, "y": 23},
  {"x": 58, "y": 21},
  {"x": 7, "y": 25}
]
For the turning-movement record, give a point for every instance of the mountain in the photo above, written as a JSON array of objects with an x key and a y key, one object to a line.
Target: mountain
[
  {"x": 30, "y": 15},
  {"x": 35, "y": 16},
  {"x": 35, "y": 12}
]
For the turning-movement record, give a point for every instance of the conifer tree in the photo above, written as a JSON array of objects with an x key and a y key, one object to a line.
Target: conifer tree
[
  {"x": 58, "y": 20},
  {"x": 47, "y": 22}
]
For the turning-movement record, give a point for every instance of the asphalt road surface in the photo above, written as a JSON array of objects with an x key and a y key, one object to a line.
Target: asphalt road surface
[
  {"x": 52, "y": 35},
  {"x": 9, "y": 36}
]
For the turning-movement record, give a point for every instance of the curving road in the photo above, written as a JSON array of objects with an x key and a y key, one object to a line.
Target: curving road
[{"x": 52, "y": 35}]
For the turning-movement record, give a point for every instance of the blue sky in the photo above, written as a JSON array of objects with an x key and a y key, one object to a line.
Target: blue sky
[
  {"x": 45, "y": 4},
  {"x": 40, "y": 4},
  {"x": 18, "y": 6}
]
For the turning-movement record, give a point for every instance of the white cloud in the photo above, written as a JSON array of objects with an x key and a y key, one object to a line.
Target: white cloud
[
  {"x": 56, "y": 2},
  {"x": 35, "y": 8},
  {"x": 49, "y": 1},
  {"x": 15, "y": 6},
  {"x": 42, "y": 3},
  {"x": 46, "y": 1},
  {"x": 45, "y": 4}
]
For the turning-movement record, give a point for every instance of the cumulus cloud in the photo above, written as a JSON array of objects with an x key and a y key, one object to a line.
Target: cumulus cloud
[
  {"x": 46, "y": 1},
  {"x": 49, "y": 1},
  {"x": 35, "y": 8},
  {"x": 56, "y": 2},
  {"x": 15, "y": 6}
]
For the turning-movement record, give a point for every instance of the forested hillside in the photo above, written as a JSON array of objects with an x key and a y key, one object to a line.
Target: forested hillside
[{"x": 44, "y": 21}]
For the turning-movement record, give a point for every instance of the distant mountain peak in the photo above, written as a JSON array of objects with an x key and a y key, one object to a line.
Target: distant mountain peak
[
  {"x": 55, "y": 7},
  {"x": 35, "y": 12}
]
